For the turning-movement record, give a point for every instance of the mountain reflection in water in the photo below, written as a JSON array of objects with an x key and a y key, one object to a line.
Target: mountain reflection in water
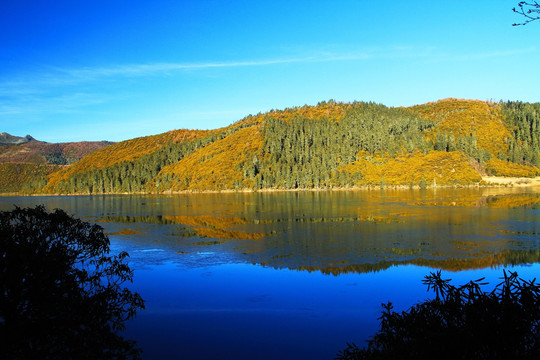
[
  {"x": 193, "y": 256},
  {"x": 344, "y": 231}
]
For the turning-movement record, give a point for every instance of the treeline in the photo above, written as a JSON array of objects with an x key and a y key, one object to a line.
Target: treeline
[
  {"x": 60, "y": 159},
  {"x": 305, "y": 153},
  {"x": 328, "y": 145},
  {"x": 308, "y": 153},
  {"x": 523, "y": 120},
  {"x": 467, "y": 144},
  {"x": 131, "y": 176}
]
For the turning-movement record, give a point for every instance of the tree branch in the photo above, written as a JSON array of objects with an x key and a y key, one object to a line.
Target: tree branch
[{"x": 529, "y": 10}]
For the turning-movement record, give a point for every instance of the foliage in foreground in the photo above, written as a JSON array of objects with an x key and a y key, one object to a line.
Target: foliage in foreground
[
  {"x": 61, "y": 293},
  {"x": 462, "y": 322}
]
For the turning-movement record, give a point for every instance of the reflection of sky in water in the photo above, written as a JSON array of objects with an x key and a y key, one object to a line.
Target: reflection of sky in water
[
  {"x": 205, "y": 299},
  {"x": 240, "y": 311}
]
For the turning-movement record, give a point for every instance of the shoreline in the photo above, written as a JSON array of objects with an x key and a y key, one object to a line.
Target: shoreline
[
  {"x": 512, "y": 181},
  {"x": 487, "y": 182}
]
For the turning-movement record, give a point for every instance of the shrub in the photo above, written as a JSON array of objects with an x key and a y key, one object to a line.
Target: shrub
[
  {"x": 61, "y": 293},
  {"x": 462, "y": 322}
]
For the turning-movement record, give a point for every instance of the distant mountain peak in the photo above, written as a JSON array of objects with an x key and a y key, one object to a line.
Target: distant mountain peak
[{"x": 8, "y": 139}]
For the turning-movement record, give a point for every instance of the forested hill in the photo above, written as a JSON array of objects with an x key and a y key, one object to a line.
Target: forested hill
[
  {"x": 25, "y": 162},
  {"x": 449, "y": 142}
]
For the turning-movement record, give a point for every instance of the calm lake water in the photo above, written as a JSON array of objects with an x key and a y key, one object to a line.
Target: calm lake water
[{"x": 294, "y": 275}]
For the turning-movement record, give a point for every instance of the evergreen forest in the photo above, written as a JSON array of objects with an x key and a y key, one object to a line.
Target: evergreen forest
[{"x": 451, "y": 142}]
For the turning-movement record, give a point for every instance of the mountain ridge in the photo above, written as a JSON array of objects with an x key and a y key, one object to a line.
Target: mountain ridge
[
  {"x": 25, "y": 162},
  {"x": 8, "y": 139},
  {"x": 450, "y": 142},
  {"x": 39, "y": 152}
]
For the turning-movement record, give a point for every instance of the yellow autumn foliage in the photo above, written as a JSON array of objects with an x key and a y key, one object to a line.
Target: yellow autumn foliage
[
  {"x": 330, "y": 110},
  {"x": 443, "y": 168},
  {"x": 216, "y": 166},
  {"x": 236, "y": 159},
  {"x": 505, "y": 168},
  {"x": 15, "y": 175},
  {"x": 468, "y": 117},
  {"x": 128, "y": 150}
]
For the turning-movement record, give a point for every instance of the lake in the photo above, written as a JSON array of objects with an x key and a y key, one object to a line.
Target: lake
[{"x": 288, "y": 275}]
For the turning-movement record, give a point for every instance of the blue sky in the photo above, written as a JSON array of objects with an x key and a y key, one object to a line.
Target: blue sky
[{"x": 115, "y": 70}]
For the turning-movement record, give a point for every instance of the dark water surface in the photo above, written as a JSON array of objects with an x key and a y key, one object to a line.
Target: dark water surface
[{"x": 290, "y": 275}]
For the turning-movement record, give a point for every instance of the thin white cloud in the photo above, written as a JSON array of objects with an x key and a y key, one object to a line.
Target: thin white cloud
[
  {"x": 60, "y": 77},
  {"x": 51, "y": 89},
  {"x": 167, "y": 68},
  {"x": 63, "y": 90},
  {"x": 155, "y": 69}
]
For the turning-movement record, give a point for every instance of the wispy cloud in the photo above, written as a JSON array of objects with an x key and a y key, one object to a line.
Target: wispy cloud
[
  {"x": 46, "y": 80},
  {"x": 58, "y": 77},
  {"x": 60, "y": 90},
  {"x": 132, "y": 70},
  {"x": 56, "y": 90}
]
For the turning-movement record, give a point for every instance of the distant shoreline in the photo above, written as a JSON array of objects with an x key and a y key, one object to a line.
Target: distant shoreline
[{"x": 487, "y": 182}]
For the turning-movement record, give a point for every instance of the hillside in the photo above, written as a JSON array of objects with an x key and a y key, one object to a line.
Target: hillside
[
  {"x": 24, "y": 178},
  {"x": 29, "y": 150},
  {"x": 25, "y": 162},
  {"x": 331, "y": 145},
  {"x": 217, "y": 166},
  {"x": 129, "y": 165}
]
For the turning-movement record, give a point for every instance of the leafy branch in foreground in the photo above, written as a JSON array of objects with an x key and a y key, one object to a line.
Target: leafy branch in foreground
[
  {"x": 61, "y": 294},
  {"x": 462, "y": 322},
  {"x": 530, "y": 10}
]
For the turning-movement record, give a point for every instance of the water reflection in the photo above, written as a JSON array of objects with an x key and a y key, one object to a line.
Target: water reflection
[
  {"x": 332, "y": 232},
  {"x": 193, "y": 257}
]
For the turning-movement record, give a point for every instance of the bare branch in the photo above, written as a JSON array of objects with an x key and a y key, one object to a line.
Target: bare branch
[{"x": 530, "y": 10}]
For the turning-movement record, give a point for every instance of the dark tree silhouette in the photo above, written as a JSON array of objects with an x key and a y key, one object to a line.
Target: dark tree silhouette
[
  {"x": 528, "y": 9},
  {"x": 61, "y": 294},
  {"x": 462, "y": 322}
]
